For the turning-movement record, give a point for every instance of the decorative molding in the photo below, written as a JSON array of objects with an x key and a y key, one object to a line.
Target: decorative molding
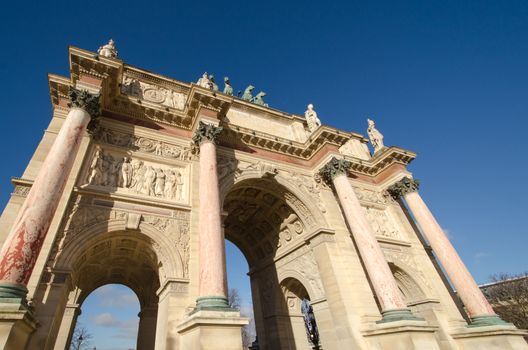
[
  {"x": 333, "y": 168},
  {"x": 206, "y": 132},
  {"x": 404, "y": 186},
  {"x": 153, "y": 93}
]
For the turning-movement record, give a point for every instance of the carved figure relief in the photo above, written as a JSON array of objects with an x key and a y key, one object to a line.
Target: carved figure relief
[
  {"x": 153, "y": 93},
  {"x": 381, "y": 223},
  {"x": 136, "y": 176},
  {"x": 310, "y": 186}
]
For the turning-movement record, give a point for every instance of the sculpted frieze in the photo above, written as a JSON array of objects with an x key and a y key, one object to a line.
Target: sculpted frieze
[
  {"x": 143, "y": 144},
  {"x": 308, "y": 185},
  {"x": 371, "y": 196},
  {"x": 306, "y": 265},
  {"x": 405, "y": 261},
  {"x": 126, "y": 175},
  {"x": 153, "y": 93},
  {"x": 21, "y": 190}
]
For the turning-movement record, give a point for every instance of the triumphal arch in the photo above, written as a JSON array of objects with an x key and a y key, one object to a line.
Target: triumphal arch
[{"x": 140, "y": 178}]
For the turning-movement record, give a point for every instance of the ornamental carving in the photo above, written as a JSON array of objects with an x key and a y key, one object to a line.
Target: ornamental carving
[
  {"x": 152, "y": 93},
  {"x": 206, "y": 132},
  {"x": 84, "y": 100},
  {"x": 406, "y": 261},
  {"x": 309, "y": 185},
  {"x": 371, "y": 196},
  {"x": 308, "y": 268},
  {"x": 403, "y": 187},
  {"x": 333, "y": 168},
  {"x": 381, "y": 224},
  {"x": 136, "y": 176},
  {"x": 142, "y": 144},
  {"x": 21, "y": 191}
]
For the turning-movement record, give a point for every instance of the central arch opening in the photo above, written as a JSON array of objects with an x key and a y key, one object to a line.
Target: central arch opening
[
  {"x": 123, "y": 267},
  {"x": 267, "y": 222}
]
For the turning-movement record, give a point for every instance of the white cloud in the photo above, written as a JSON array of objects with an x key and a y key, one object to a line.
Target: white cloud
[
  {"x": 112, "y": 296},
  {"x": 106, "y": 319}
]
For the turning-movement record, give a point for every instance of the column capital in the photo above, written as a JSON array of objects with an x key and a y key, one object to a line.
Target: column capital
[
  {"x": 206, "y": 132},
  {"x": 334, "y": 168},
  {"x": 403, "y": 187},
  {"x": 84, "y": 100}
]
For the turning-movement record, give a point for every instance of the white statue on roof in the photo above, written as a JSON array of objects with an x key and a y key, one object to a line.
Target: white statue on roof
[
  {"x": 311, "y": 118},
  {"x": 108, "y": 50},
  {"x": 376, "y": 137},
  {"x": 205, "y": 82}
]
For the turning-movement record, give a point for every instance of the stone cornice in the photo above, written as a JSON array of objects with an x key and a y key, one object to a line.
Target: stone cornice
[{"x": 108, "y": 74}]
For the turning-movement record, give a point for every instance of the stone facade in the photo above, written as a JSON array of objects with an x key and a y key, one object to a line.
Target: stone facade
[{"x": 168, "y": 169}]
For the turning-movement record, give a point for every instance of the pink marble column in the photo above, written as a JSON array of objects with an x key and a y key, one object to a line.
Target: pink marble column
[
  {"x": 392, "y": 304},
  {"x": 467, "y": 289},
  {"x": 213, "y": 282},
  {"x": 22, "y": 246}
]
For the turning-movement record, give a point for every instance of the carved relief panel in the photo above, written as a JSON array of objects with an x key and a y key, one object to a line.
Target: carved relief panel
[
  {"x": 116, "y": 172},
  {"x": 382, "y": 223}
]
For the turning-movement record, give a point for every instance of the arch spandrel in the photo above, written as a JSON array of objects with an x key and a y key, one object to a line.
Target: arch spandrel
[
  {"x": 231, "y": 176},
  {"x": 172, "y": 251}
]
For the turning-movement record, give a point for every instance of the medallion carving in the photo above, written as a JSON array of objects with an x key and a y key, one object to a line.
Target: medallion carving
[
  {"x": 152, "y": 93},
  {"x": 143, "y": 144}
]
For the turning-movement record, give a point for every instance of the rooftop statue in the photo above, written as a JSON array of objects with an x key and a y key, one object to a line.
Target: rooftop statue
[
  {"x": 311, "y": 118},
  {"x": 108, "y": 50},
  {"x": 214, "y": 86},
  {"x": 228, "y": 89},
  {"x": 204, "y": 81},
  {"x": 258, "y": 100},
  {"x": 376, "y": 137},
  {"x": 248, "y": 93}
]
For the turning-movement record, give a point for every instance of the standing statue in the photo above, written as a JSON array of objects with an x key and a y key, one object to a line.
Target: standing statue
[
  {"x": 170, "y": 182},
  {"x": 311, "y": 118},
  {"x": 160, "y": 183},
  {"x": 149, "y": 181},
  {"x": 108, "y": 50},
  {"x": 258, "y": 100},
  {"x": 138, "y": 171},
  {"x": 214, "y": 86},
  {"x": 228, "y": 89},
  {"x": 179, "y": 185},
  {"x": 96, "y": 169},
  {"x": 204, "y": 81},
  {"x": 126, "y": 173},
  {"x": 158, "y": 148},
  {"x": 248, "y": 96},
  {"x": 376, "y": 137},
  {"x": 310, "y": 324}
]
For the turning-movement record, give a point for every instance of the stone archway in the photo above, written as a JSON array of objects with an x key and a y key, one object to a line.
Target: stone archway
[
  {"x": 118, "y": 258},
  {"x": 269, "y": 224}
]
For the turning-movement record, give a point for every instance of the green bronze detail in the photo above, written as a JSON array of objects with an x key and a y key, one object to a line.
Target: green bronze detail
[
  {"x": 398, "y": 315},
  {"x": 88, "y": 102},
  {"x": 403, "y": 187},
  {"x": 258, "y": 100},
  {"x": 248, "y": 93},
  {"x": 212, "y": 303},
  {"x": 214, "y": 86},
  {"x": 206, "y": 132},
  {"x": 488, "y": 320},
  {"x": 334, "y": 168},
  {"x": 12, "y": 293},
  {"x": 228, "y": 89}
]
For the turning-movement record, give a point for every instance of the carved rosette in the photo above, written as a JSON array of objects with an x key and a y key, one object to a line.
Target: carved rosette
[
  {"x": 333, "y": 168},
  {"x": 88, "y": 102},
  {"x": 403, "y": 187},
  {"x": 206, "y": 133}
]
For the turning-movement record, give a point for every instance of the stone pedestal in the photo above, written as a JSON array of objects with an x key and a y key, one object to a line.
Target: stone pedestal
[
  {"x": 16, "y": 325},
  {"x": 402, "y": 335},
  {"x": 498, "y": 337},
  {"x": 212, "y": 330}
]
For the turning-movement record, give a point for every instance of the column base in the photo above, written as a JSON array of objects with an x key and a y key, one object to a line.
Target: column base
[
  {"x": 13, "y": 293},
  {"x": 17, "y": 323},
  {"x": 488, "y": 320},
  {"x": 404, "y": 334},
  {"x": 212, "y": 303},
  {"x": 398, "y": 315},
  {"x": 498, "y": 337},
  {"x": 212, "y": 330}
]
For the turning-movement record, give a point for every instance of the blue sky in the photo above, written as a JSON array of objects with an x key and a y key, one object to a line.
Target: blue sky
[{"x": 447, "y": 79}]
